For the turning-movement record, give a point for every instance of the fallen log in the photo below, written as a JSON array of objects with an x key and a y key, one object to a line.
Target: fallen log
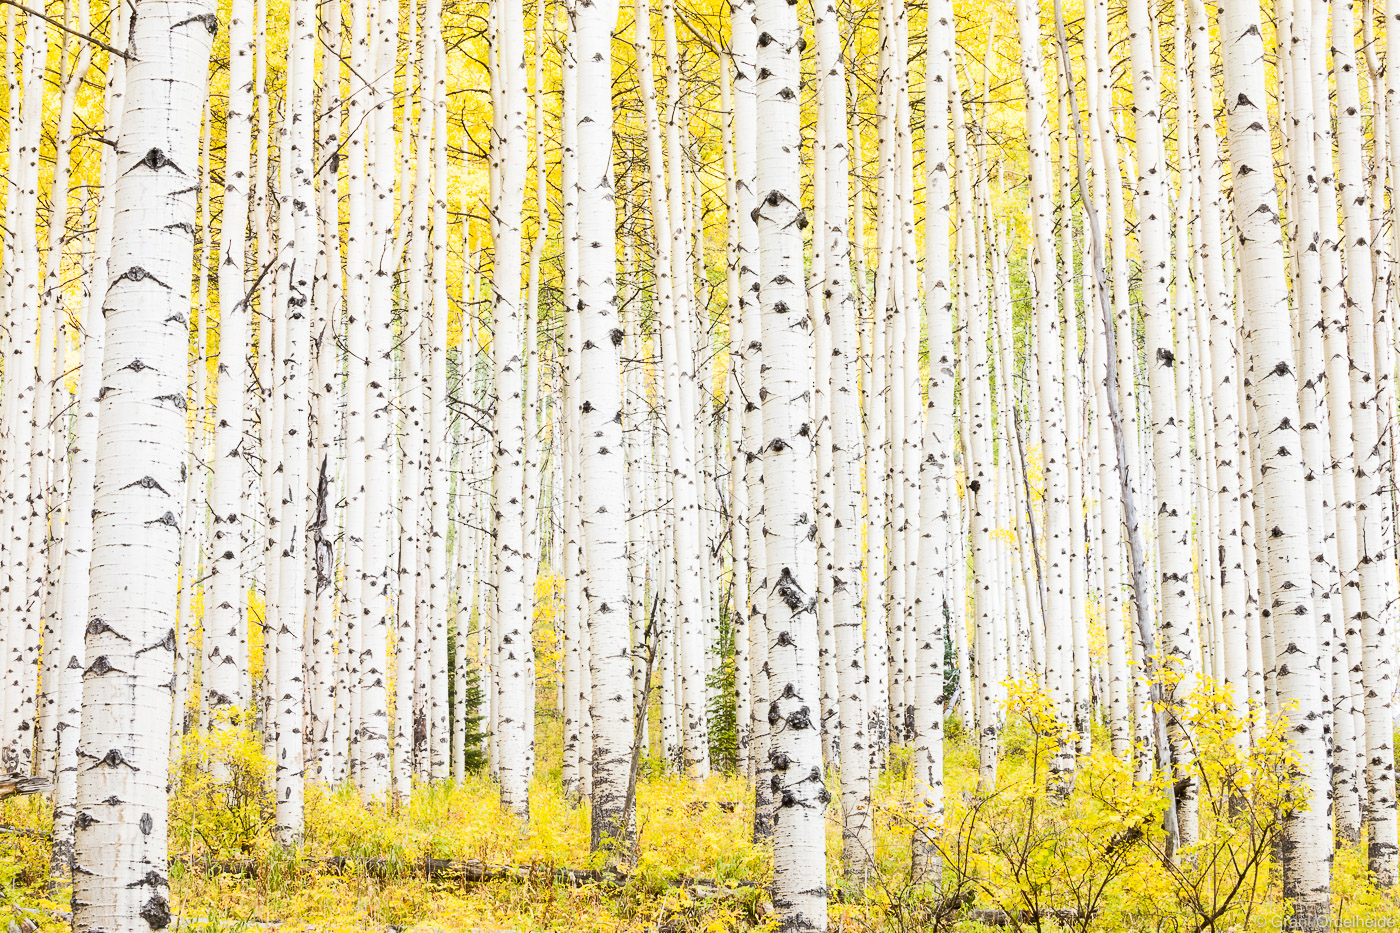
[
  {"x": 459, "y": 870},
  {"x": 13, "y": 785},
  {"x": 1009, "y": 917}
]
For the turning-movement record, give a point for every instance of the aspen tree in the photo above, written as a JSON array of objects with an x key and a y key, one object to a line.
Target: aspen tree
[
  {"x": 800, "y": 794},
  {"x": 373, "y": 737},
  {"x": 196, "y": 491},
  {"x": 1048, "y": 329},
  {"x": 439, "y": 723},
  {"x": 1305, "y": 853},
  {"x": 54, "y": 636},
  {"x": 977, "y": 460},
  {"x": 821, "y": 417},
  {"x": 603, "y": 476},
  {"x": 1136, "y": 547},
  {"x": 840, "y": 307},
  {"x": 78, "y": 526},
  {"x": 574, "y": 700},
  {"x": 671, "y": 310},
  {"x": 1224, "y": 390},
  {"x": 271, "y": 416},
  {"x": 743, "y": 42},
  {"x": 691, "y": 627},
  {"x": 290, "y": 689},
  {"x": 1115, "y": 248},
  {"x": 358, "y": 250},
  {"x": 1364, "y": 631},
  {"x": 120, "y": 878},
  {"x": 876, "y": 403},
  {"x": 409, "y": 621},
  {"x": 1079, "y": 630},
  {"x": 1112, "y": 551},
  {"x": 742, "y": 601},
  {"x": 938, "y": 489},
  {"x": 1315, "y": 432},
  {"x": 1171, "y": 505},
  {"x": 513, "y": 646},
  {"x": 22, "y": 389},
  {"x": 326, "y": 521}
]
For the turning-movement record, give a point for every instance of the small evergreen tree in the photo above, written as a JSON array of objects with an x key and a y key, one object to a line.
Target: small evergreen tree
[{"x": 722, "y": 709}]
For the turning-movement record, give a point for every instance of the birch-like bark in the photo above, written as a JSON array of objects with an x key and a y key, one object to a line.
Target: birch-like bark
[
  {"x": 120, "y": 829},
  {"x": 78, "y": 529},
  {"x": 296, "y": 377},
  {"x": 513, "y": 646},
  {"x": 1054, "y": 445},
  {"x": 1306, "y": 849},
  {"x": 692, "y": 630},
  {"x": 22, "y": 391},
  {"x": 439, "y": 723},
  {"x": 857, "y": 835},
  {"x": 326, "y": 519},
  {"x": 1219, "y": 296},
  {"x": 357, "y": 267},
  {"x": 938, "y": 489},
  {"x": 1171, "y": 504},
  {"x": 742, "y": 600},
  {"x": 1304, "y": 207},
  {"x": 800, "y": 794},
  {"x": 978, "y": 458},
  {"x": 373, "y": 735},
  {"x": 72, "y": 76},
  {"x": 743, "y": 41},
  {"x": 601, "y": 454},
  {"x": 1365, "y": 631},
  {"x": 690, "y": 627}
]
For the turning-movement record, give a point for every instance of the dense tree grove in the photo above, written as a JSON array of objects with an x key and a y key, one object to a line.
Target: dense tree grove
[{"x": 807, "y": 392}]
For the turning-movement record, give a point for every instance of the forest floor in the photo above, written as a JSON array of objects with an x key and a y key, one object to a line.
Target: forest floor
[{"x": 1096, "y": 856}]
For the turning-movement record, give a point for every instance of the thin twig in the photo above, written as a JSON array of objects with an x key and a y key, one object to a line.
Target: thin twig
[{"x": 68, "y": 29}]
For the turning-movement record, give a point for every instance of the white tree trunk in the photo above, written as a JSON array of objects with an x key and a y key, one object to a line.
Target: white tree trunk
[
  {"x": 1365, "y": 631},
  {"x": 1059, "y": 649},
  {"x": 120, "y": 839},
  {"x": 77, "y": 533},
  {"x": 800, "y": 794},
  {"x": 939, "y": 483},
  {"x": 290, "y": 693},
  {"x": 513, "y": 645},
  {"x": 1171, "y": 506},
  {"x": 857, "y": 833},
  {"x": 601, "y": 454},
  {"x": 1275, "y": 399}
]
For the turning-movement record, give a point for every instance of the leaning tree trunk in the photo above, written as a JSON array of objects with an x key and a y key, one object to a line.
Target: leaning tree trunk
[{"x": 120, "y": 839}]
